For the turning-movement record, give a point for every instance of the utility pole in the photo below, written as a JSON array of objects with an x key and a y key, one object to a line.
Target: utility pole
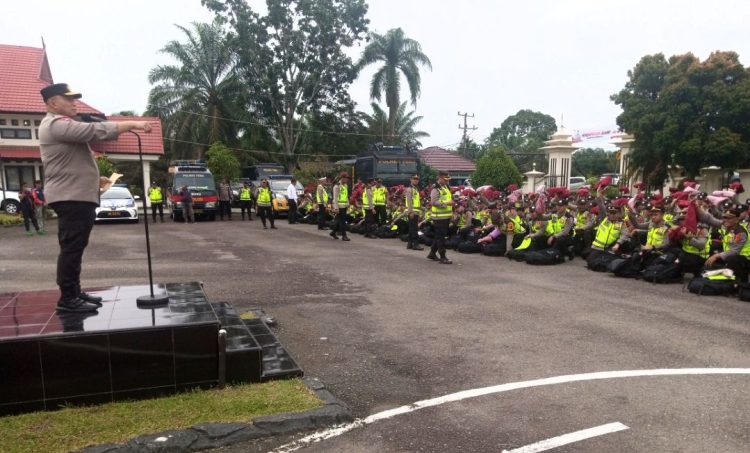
[{"x": 465, "y": 127}]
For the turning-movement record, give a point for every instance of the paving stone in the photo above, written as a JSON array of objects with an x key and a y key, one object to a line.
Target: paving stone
[
  {"x": 218, "y": 430},
  {"x": 284, "y": 423},
  {"x": 167, "y": 441},
  {"x": 247, "y": 433},
  {"x": 315, "y": 384}
]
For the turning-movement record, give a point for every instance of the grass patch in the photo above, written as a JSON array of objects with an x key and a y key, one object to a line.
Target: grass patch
[
  {"x": 77, "y": 427},
  {"x": 10, "y": 219}
]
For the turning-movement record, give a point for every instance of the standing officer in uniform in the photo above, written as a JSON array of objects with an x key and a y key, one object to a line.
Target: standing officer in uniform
[
  {"x": 157, "y": 201},
  {"x": 442, "y": 203},
  {"x": 369, "y": 209},
  {"x": 380, "y": 199},
  {"x": 321, "y": 199},
  {"x": 73, "y": 184},
  {"x": 291, "y": 196},
  {"x": 413, "y": 210},
  {"x": 245, "y": 200},
  {"x": 263, "y": 200},
  {"x": 225, "y": 199},
  {"x": 340, "y": 206}
]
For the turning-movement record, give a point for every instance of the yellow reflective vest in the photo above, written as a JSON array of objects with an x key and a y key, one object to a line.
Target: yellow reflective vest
[
  {"x": 607, "y": 233},
  {"x": 245, "y": 194},
  {"x": 444, "y": 212},
  {"x": 379, "y": 195},
  {"x": 264, "y": 196},
  {"x": 154, "y": 194}
]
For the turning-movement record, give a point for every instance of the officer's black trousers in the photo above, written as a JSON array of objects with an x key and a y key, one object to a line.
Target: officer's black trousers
[
  {"x": 414, "y": 229},
  {"x": 438, "y": 242},
  {"x": 75, "y": 219},
  {"x": 321, "y": 216},
  {"x": 691, "y": 263},
  {"x": 245, "y": 206},
  {"x": 740, "y": 265},
  {"x": 225, "y": 208},
  {"x": 265, "y": 212},
  {"x": 341, "y": 222},
  {"x": 157, "y": 207},
  {"x": 381, "y": 215}
]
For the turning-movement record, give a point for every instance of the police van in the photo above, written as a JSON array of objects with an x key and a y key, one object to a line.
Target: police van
[{"x": 200, "y": 182}]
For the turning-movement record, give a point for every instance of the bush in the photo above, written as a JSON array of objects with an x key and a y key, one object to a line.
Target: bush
[
  {"x": 496, "y": 168},
  {"x": 9, "y": 220}
]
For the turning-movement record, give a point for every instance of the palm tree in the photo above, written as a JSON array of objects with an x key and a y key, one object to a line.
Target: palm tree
[
  {"x": 399, "y": 55},
  {"x": 404, "y": 125},
  {"x": 197, "y": 96}
]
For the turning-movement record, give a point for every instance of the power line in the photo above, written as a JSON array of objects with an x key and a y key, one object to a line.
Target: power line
[{"x": 465, "y": 128}]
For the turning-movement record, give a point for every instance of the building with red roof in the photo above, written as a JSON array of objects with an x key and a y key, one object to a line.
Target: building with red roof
[
  {"x": 441, "y": 159},
  {"x": 24, "y": 71}
]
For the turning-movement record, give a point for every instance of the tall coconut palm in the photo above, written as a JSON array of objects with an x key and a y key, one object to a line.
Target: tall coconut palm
[
  {"x": 405, "y": 124},
  {"x": 398, "y": 55},
  {"x": 196, "y": 96}
]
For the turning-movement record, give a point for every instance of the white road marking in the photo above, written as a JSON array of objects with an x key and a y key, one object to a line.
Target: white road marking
[
  {"x": 565, "y": 439},
  {"x": 465, "y": 394}
]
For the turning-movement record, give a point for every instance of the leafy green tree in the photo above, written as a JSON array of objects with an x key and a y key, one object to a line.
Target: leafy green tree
[
  {"x": 496, "y": 168},
  {"x": 293, "y": 59},
  {"x": 106, "y": 166},
  {"x": 469, "y": 149},
  {"x": 427, "y": 175},
  {"x": 331, "y": 134},
  {"x": 197, "y": 97},
  {"x": 686, "y": 112},
  {"x": 398, "y": 55},
  {"x": 405, "y": 125},
  {"x": 522, "y": 135},
  {"x": 222, "y": 162},
  {"x": 591, "y": 162}
]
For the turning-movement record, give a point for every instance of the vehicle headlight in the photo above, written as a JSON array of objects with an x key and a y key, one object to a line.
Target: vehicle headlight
[
  {"x": 210, "y": 204},
  {"x": 130, "y": 204}
]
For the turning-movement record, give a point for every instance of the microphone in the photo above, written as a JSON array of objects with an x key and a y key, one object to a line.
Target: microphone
[{"x": 91, "y": 117}]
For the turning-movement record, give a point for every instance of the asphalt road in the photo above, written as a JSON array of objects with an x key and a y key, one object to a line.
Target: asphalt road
[{"x": 383, "y": 327}]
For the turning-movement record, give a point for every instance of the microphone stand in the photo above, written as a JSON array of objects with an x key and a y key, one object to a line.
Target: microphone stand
[{"x": 149, "y": 300}]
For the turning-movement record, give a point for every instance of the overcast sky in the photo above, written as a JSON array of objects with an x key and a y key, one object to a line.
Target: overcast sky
[{"x": 489, "y": 58}]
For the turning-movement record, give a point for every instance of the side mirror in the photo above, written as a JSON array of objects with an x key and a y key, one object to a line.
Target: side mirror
[{"x": 137, "y": 197}]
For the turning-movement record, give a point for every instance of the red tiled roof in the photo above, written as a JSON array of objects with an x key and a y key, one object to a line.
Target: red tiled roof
[
  {"x": 20, "y": 152},
  {"x": 444, "y": 160},
  {"x": 127, "y": 143},
  {"x": 23, "y": 72}
]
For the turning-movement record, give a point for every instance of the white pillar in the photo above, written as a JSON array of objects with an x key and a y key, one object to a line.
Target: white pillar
[{"x": 146, "y": 168}]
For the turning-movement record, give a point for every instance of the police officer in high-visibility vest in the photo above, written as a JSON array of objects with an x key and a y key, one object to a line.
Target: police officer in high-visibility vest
[
  {"x": 608, "y": 233},
  {"x": 380, "y": 200},
  {"x": 340, "y": 206},
  {"x": 157, "y": 201},
  {"x": 368, "y": 209},
  {"x": 413, "y": 211},
  {"x": 735, "y": 252},
  {"x": 246, "y": 197},
  {"x": 264, "y": 200},
  {"x": 321, "y": 199},
  {"x": 442, "y": 203}
]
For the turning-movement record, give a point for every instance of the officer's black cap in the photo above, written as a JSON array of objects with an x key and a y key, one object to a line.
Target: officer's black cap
[{"x": 58, "y": 89}]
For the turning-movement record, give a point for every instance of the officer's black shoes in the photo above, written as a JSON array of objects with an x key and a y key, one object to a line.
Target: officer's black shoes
[
  {"x": 96, "y": 300},
  {"x": 417, "y": 247},
  {"x": 408, "y": 246},
  {"x": 75, "y": 305},
  {"x": 265, "y": 227},
  {"x": 273, "y": 227},
  {"x": 333, "y": 235},
  {"x": 345, "y": 238},
  {"x": 445, "y": 261},
  {"x": 432, "y": 257}
]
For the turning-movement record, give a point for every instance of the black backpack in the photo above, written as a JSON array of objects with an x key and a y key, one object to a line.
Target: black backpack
[
  {"x": 744, "y": 292},
  {"x": 626, "y": 267},
  {"x": 600, "y": 263},
  {"x": 706, "y": 287},
  {"x": 469, "y": 247},
  {"x": 517, "y": 255},
  {"x": 664, "y": 269},
  {"x": 544, "y": 257},
  {"x": 496, "y": 248}
]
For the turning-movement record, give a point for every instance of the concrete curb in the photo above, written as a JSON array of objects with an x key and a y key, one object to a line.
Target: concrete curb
[{"x": 214, "y": 435}]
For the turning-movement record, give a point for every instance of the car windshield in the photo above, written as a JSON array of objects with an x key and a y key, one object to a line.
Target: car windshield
[
  {"x": 116, "y": 193},
  {"x": 195, "y": 181}
]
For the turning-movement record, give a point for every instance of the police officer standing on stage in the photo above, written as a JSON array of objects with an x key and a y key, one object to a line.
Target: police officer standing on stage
[
  {"x": 157, "y": 201},
  {"x": 341, "y": 206},
  {"x": 413, "y": 211},
  {"x": 442, "y": 203},
  {"x": 73, "y": 184}
]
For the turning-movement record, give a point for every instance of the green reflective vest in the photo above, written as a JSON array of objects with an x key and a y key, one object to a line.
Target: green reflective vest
[
  {"x": 517, "y": 225},
  {"x": 416, "y": 200},
  {"x": 321, "y": 199},
  {"x": 154, "y": 194},
  {"x": 379, "y": 195},
  {"x": 656, "y": 236},
  {"x": 264, "y": 196},
  {"x": 447, "y": 211},
  {"x": 728, "y": 239},
  {"x": 555, "y": 224},
  {"x": 687, "y": 248},
  {"x": 245, "y": 194},
  {"x": 366, "y": 200},
  {"x": 343, "y": 200},
  {"x": 607, "y": 233}
]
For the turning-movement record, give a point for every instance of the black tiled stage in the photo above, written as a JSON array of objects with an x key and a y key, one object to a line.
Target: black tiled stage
[{"x": 119, "y": 352}]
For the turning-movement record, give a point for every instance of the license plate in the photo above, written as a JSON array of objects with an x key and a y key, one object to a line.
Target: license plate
[
  {"x": 114, "y": 214},
  {"x": 198, "y": 211},
  {"x": 197, "y": 199}
]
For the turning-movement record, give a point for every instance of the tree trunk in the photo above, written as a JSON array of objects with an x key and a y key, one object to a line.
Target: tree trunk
[{"x": 392, "y": 110}]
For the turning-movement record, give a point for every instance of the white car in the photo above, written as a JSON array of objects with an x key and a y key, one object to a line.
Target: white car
[
  {"x": 117, "y": 203},
  {"x": 9, "y": 201},
  {"x": 576, "y": 182}
]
